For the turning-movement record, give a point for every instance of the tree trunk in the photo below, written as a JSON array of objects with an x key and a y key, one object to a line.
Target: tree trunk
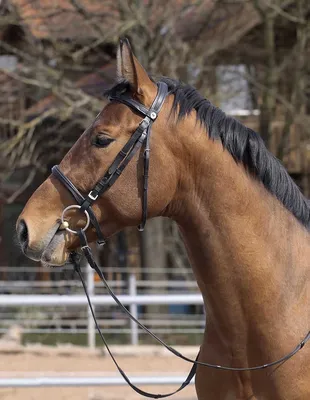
[
  {"x": 270, "y": 79},
  {"x": 298, "y": 84},
  {"x": 153, "y": 259}
]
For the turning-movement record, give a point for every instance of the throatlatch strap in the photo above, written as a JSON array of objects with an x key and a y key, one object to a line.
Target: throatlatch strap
[{"x": 146, "y": 165}]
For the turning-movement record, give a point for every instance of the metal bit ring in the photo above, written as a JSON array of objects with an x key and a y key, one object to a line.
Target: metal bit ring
[{"x": 64, "y": 223}]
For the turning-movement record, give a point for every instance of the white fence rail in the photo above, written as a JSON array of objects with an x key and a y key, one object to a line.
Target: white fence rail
[
  {"x": 133, "y": 300},
  {"x": 80, "y": 300},
  {"x": 66, "y": 381}
]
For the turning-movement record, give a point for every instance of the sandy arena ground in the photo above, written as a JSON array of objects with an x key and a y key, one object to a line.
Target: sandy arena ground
[{"x": 52, "y": 362}]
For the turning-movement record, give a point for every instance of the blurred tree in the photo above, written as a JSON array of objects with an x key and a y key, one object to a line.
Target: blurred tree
[
  {"x": 274, "y": 84},
  {"x": 56, "y": 44},
  {"x": 62, "y": 54},
  {"x": 57, "y": 57}
]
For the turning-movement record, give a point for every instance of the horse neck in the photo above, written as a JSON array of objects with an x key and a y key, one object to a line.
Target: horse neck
[{"x": 249, "y": 254}]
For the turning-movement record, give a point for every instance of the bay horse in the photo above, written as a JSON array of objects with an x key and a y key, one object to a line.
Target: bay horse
[{"x": 244, "y": 222}]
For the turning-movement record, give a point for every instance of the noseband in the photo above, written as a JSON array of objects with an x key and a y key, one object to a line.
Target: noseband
[{"x": 141, "y": 137}]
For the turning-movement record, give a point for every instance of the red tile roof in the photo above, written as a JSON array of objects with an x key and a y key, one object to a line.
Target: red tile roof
[
  {"x": 217, "y": 26},
  {"x": 59, "y": 18}
]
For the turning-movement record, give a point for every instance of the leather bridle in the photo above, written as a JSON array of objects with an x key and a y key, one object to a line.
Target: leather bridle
[{"x": 141, "y": 137}]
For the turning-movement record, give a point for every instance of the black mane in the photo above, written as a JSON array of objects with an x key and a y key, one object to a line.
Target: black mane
[{"x": 243, "y": 144}]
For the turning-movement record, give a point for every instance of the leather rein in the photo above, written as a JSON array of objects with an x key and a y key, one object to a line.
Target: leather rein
[{"x": 141, "y": 137}]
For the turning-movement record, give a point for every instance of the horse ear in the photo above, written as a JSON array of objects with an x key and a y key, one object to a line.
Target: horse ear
[{"x": 129, "y": 69}]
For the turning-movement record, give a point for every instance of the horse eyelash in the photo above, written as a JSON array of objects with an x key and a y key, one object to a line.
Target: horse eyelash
[{"x": 102, "y": 141}]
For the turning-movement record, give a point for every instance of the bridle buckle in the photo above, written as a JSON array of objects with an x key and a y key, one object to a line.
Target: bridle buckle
[{"x": 95, "y": 197}]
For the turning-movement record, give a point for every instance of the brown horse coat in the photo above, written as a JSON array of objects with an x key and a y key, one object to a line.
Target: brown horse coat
[{"x": 248, "y": 246}]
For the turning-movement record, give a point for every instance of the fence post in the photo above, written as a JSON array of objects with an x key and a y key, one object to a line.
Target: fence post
[
  {"x": 91, "y": 330},
  {"x": 133, "y": 308}
]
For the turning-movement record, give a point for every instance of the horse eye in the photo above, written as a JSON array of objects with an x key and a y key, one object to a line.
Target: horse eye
[{"x": 102, "y": 141}]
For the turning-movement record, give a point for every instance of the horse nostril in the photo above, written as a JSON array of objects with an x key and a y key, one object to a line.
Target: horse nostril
[{"x": 22, "y": 234}]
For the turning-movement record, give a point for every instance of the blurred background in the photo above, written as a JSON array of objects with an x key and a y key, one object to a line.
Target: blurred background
[{"x": 249, "y": 57}]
